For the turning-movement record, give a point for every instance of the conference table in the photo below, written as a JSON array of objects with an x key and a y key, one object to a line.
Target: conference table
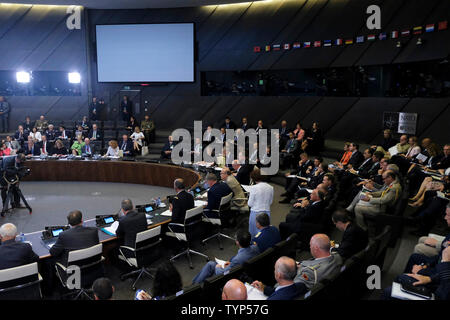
[{"x": 106, "y": 170}]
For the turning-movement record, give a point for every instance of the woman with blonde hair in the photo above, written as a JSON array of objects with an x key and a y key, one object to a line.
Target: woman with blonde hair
[
  {"x": 113, "y": 149},
  {"x": 137, "y": 138}
]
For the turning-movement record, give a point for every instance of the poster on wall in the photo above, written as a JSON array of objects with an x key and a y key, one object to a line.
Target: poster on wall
[{"x": 407, "y": 123}]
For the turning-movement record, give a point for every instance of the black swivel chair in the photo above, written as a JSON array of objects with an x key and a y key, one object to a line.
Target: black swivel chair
[
  {"x": 142, "y": 255},
  {"x": 20, "y": 283},
  {"x": 192, "y": 293}
]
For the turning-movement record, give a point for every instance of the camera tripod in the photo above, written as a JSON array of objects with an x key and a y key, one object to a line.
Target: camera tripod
[{"x": 12, "y": 187}]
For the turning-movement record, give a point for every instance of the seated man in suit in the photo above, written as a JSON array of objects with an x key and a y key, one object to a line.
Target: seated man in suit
[
  {"x": 126, "y": 145},
  {"x": 216, "y": 191},
  {"x": 234, "y": 289},
  {"x": 45, "y": 146},
  {"x": 242, "y": 172},
  {"x": 131, "y": 223},
  {"x": 166, "y": 152},
  {"x": 51, "y": 133},
  {"x": 13, "y": 253},
  {"x": 285, "y": 288},
  {"x": 292, "y": 183},
  {"x": 228, "y": 124},
  {"x": 356, "y": 158},
  {"x": 21, "y": 135},
  {"x": 88, "y": 149},
  {"x": 31, "y": 148},
  {"x": 354, "y": 238},
  {"x": 231, "y": 181},
  {"x": 245, "y": 252},
  {"x": 76, "y": 238},
  {"x": 94, "y": 133},
  {"x": 180, "y": 203},
  {"x": 307, "y": 212},
  {"x": 323, "y": 263},
  {"x": 289, "y": 152},
  {"x": 268, "y": 236}
]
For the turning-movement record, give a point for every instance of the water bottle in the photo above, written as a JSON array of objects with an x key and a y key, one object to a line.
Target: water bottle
[
  {"x": 158, "y": 202},
  {"x": 22, "y": 237}
]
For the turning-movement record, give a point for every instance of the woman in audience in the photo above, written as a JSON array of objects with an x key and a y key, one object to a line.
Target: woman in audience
[
  {"x": 113, "y": 149},
  {"x": 137, "y": 138},
  {"x": 428, "y": 184},
  {"x": 59, "y": 149},
  {"x": 4, "y": 150},
  {"x": 345, "y": 157},
  {"x": 299, "y": 133},
  {"x": 132, "y": 124},
  {"x": 36, "y": 135},
  {"x": 77, "y": 145},
  {"x": 414, "y": 148},
  {"x": 315, "y": 139}
]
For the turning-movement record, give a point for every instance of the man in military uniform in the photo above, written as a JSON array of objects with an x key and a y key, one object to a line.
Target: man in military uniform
[
  {"x": 268, "y": 236},
  {"x": 41, "y": 124},
  {"x": 377, "y": 202},
  {"x": 180, "y": 203},
  {"x": 148, "y": 127},
  {"x": 310, "y": 272},
  {"x": 4, "y": 114}
]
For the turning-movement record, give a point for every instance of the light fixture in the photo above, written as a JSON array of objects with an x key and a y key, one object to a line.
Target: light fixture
[
  {"x": 23, "y": 77},
  {"x": 74, "y": 77}
]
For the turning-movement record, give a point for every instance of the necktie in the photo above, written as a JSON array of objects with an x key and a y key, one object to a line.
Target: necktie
[
  {"x": 88, "y": 149},
  {"x": 95, "y": 134},
  {"x": 123, "y": 146},
  {"x": 45, "y": 147}
]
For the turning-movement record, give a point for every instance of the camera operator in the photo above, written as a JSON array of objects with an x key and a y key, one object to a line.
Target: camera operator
[{"x": 11, "y": 169}]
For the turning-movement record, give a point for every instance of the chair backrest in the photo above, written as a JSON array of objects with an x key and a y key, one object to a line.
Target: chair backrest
[
  {"x": 317, "y": 292},
  {"x": 261, "y": 266},
  {"x": 192, "y": 293},
  {"x": 20, "y": 282},
  {"x": 147, "y": 234},
  {"x": 146, "y": 242},
  {"x": 383, "y": 241},
  {"x": 213, "y": 285},
  {"x": 287, "y": 247},
  {"x": 83, "y": 254},
  {"x": 193, "y": 212},
  {"x": 225, "y": 202}
]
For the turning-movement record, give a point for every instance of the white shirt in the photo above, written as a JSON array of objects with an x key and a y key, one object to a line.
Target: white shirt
[
  {"x": 137, "y": 137},
  {"x": 261, "y": 196},
  {"x": 36, "y": 136},
  {"x": 113, "y": 152}
]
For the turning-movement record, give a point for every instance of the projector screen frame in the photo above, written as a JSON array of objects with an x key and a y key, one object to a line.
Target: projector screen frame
[{"x": 194, "y": 54}]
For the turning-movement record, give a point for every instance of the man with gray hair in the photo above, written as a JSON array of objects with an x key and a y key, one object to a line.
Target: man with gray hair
[
  {"x": 216, "y": 191},
  {"x": 238, "y": 192},
  {"x": 130, "y": 224},
  {"x": 13, "y": 253},
  {"x": 322, "y": 264},
  {"x": 285, "y": 288}
]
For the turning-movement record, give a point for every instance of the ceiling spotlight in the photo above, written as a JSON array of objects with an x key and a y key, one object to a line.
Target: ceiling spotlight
[
  {"x": 23, "y": 77},
  {"x": 399, "y": 44},
  {"x": 419, "y": 42},
  {"x": 74, "y": 77}
]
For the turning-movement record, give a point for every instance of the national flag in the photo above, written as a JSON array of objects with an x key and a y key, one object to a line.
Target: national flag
[
  {"x": 429, "y": 27},
  {"x": 382, "y": 36},
  {"x": 256, "y": 49},
  {"x": 307, "y": 44},
  {"x": 349, "y": 41},
  {"x": 417, "y": 30},
  {"x": 360, "y": 39},
  {"x": 287, "y": 46},
  {"x": 267, "y": 48},
  {"x": 276, "y": 47},
  {"x": 406, "y": 33},
  {"x": 371, "y": 37},
  {"x": 442, "y": 25},
  {"x": 394, "y": 34},
  {"x": 297, "y": 45},
  {"x": 317, "y": 44},
  {"x": 327, "y": 43},
  {"x": 339, "y": 42}
]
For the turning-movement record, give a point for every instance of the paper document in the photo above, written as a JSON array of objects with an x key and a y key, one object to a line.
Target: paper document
[
  {"x": 421, "y": 157},
  {"x": 162, "y": 205},
  {"x": 111, "y": 230},
  {"x": 393, "y": 150},
  {"x": 399, "y": 294},
  {"x": 309, "y": 190},
  {"x": 200, "y": 203},
  {"x": 292, "y": 176},
  {"x": 218, "y": 169},
  {"x": 167, "y": 213},
  {"x": 149, "y": 221},
  {"x": 221, "y": 263},
  {"x": 246, "y": 188},
  {"x": 254, "y": 294}
]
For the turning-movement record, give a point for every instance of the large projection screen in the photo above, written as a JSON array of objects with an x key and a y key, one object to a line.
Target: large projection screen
[{"x": 145, "y": 52}]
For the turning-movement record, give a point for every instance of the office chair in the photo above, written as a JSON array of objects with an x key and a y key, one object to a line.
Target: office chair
[
  {"x": 20, "y": 283},
  {"x": 182, "y": 231},
  {"x": 89, "y": 260},
  {"x": 140, "y": 256},
  {"x": 215, "y": 218}
]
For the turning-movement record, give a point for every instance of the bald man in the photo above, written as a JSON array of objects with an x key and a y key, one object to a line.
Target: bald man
[
  {"x": 234, "y": 290},
  {"x": 285, "y": 289},
  {"x": 323, "y": 264}
]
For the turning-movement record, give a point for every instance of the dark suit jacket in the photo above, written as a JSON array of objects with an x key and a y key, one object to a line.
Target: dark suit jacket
[
  {"x": 128, "y": 150},
  {"x": 35, "y": 151},
  {"x": 311, "y": 214},
  {"x": 75, "y": 238},
  {"x": 215, "y": 194},
  {"x": 99, "y": 135},
  {"x": 28, "y": 127},
  {"x": 166, "y": 147},
  {"x": 24, "y": 136},
  {"x": 301, "y": 170},
  {"x": 129, "y": 225},
  {"x": 266, "y": 238},
  {"x": 356, "y": 159},
  {"x": 15, "y": 254},
  {"x": 353, "y": 240},
  {"x": 231, "y": 125},
  {"x": 49, "y": 146},
  {"x": 243, "y": 175},
  {"x": 51, "y": 135},
  {"x": 84, "y": 149},
  {"x": 287, "y": 293},
  {"x": 182, "y": 202}
]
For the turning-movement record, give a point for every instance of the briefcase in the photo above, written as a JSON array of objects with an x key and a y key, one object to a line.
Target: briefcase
[{"x": 144, "y": 150}]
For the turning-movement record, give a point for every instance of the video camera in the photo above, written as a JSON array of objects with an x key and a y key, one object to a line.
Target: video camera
[{"x": 13, "y": 174}]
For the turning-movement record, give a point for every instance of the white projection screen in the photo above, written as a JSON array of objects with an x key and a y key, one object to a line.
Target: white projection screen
[{"x": 145, "y": 52}]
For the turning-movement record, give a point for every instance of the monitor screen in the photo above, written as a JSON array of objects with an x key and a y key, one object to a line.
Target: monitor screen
[
  {"x": 148, "y": 209},
  {"x": 109, "y": 220},
  {"x": 56, "y": 232},
  {"x": 198, "y": 189},
  {"x": 145, "y": 52}
]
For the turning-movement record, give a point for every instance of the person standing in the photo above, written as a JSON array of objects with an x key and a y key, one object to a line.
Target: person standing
[
  {"x": 4, "y": 114},
  {"x": 94, "y": 109},
  {"x": 125, "y": 108}
]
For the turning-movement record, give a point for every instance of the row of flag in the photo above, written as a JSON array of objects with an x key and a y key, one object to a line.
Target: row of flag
[{"x": 443, "y": 25}]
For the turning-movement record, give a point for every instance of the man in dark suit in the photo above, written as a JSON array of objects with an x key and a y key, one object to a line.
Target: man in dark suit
[
  {"x": 166, "y": 151},
  {"x": 284, "y": 133},
  {"x": 21, "y": 136},
  {"x": 244, "y": 125},
  {"x": 242, "y": 172},
  {"x": 94, "y": 133},
  {"x": 354, "y": 238},
  {"x": 28, "y": 125},
  {"x": 126, "y": 108},
  {"x": 12, "y": 253},
  {"x": 76, "y": 238},
  {"x": 126, "y": 145},
  {"x": 268, "y": 236},
  {"x": 356, "y": 158},
  {"x": 94, "y": 109},
  {"x": 45, "y": 146},
  {"x": 180, "y": 203},
  {"x": 216, "y": 191},
  {"x": 285, "y": 288},
  {"x": 289, "y": 152},
  {"x": 130, "y": 224},
  {"x": 308, "y": 212},
  {"x": 228, "y": 124},
  {"x": 88, "y": 149},
  {"x": 31, "y": 148}
]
